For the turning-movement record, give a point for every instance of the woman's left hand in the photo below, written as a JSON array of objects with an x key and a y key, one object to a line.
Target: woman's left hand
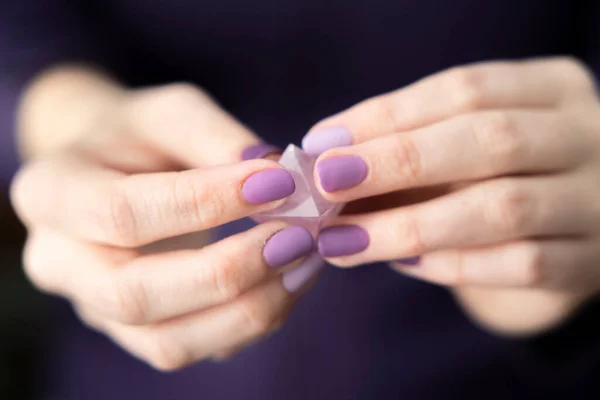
[{"x": 506, "y": 159}]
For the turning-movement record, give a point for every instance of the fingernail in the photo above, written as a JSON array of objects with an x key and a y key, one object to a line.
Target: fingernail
[
  {"x": 343, "y": 240},
  {"x": 295, "y": 279},
  {"x": 268, "y": 185},
  {"x": 260, "y": 150},
  {"x": 287, "y": 246},
  {"x": 340, "y": 173},
  {"x": 318, "y": 142},
  {"x": 409, "y": 261}
]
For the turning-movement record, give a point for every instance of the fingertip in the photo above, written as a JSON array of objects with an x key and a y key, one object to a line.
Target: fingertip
[
  {"x": 342, "y": 172},
  {"x": 320, "y": 140},
  {"x": 342, "y": 240},
  {"x": 260, "y": 150},
  {"x": 299, "y": 277},
  {"x": 268, "y": 185},
  {"x": 288, "y": 245}
]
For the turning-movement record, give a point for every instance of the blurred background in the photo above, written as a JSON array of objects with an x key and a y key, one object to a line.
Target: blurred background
[
  {"x": 21, "y": 316},
  {"x": 30, "y": 322}
]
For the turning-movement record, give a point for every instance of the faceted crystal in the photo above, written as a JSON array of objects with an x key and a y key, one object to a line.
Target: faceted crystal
[{"x": 306, "y": 207}]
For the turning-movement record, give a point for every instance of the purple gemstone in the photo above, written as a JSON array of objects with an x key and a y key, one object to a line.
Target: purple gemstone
[{"x": 306, "y": 207}]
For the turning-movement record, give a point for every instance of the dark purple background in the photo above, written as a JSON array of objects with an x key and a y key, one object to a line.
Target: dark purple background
[{"x": 280, "y": 66}]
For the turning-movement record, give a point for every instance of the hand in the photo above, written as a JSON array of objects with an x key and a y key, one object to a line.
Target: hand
[
  {"x": 149, "y": 171},
  {"x": 507, "y": 158}
]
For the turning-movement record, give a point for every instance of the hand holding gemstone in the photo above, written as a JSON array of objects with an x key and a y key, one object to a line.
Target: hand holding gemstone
[{"x": 305, "y": 207}]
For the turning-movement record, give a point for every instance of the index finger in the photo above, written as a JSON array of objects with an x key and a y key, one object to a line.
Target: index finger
[
  {"x": 535, "y": 84},
  {"x": 71, "y": 194}
]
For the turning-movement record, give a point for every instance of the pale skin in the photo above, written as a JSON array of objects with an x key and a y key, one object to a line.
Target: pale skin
[
  {"x": 106, "y": 199},
  {"x": 513, "y": 229},
  {"x": 513, "y": 151}
]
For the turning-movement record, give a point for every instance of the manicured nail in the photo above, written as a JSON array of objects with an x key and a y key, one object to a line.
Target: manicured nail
[
  {"x": 340, "y": 173},
  {"x": 295, "y": 279},
  {"x": 342, "y": 240},
  {"x": 287, "y": 246},
  {"x": 260, "y": 150},
  {"x": 318, "y": 142},
  {"x": 268, "y": 185},
  {"x": 409, "y": 261}
]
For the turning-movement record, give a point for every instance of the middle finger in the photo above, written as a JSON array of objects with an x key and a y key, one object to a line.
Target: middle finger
[
  {"x": 150, "y": 288},
  {"x": 483, "y": 213},
  {"x": 469, "y": 147}
]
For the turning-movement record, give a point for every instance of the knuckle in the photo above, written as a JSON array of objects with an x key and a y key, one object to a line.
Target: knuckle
[
  {"x": 203, "y": 204},
  {"x": 117, "y": 223},
  {"x": 258, "y": 317},
  {"x": 384, "y": 110},
  {"x": 412, "y": 235},
  {"x": 125, "y": 300},
  {"x": 166, "y": 353},
  {"x": 465, "y": 86},
  {"x": 507, "y": 209},
  {"x": 225, "y": 277},
  {"x": 531, "y": 271},
  {"x": 409, "y": 160},
  {"x": 459, "y": 277},
  {"x": 498, "y": 136}
]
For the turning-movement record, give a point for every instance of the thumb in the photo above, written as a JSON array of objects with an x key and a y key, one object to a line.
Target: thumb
[{"x": 187, "y": 124}]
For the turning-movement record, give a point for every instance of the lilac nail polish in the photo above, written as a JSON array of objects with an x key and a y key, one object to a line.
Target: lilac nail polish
[
  {"x": 409, "y": 261},
  {"x": 342, "y": 240},
  {"x": 268, "y": 185},
  {"x": 318, "y": 142},
  {"x": 260, "y": 150},
  {"x": 340, "y": 173},
  {"x": 287, "y": 246},
  {"x": 295, "y": 279}
]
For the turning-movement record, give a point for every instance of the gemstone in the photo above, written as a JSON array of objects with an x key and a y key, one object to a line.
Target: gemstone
[{"x": 305, "y": 207}]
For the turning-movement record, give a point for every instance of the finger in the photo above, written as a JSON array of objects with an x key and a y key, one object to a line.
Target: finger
[
  {"x": 541, "y": 83},
  {"x": 141, "y": 290},
  {"x": 144, "y": 291},
  {"x": 297, "y": 280},
  {"x": 554, "y": 264},
  {"x": 468, "y": 147},
  {"x": 174, "y": 344},
  {"x": 185, "y": 122},
  {"x": 484, "y": 213},
  {"x": 71, "y": 194}
]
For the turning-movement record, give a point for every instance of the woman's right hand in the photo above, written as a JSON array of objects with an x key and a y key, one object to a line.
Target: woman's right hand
[{"x": 110, "y": 218}]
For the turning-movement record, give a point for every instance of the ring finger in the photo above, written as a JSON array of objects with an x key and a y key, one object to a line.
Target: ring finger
[{"x": 530, "y": 263}]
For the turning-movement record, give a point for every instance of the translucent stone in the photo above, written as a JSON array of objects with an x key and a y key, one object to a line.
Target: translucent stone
[{"x": 306, "y": 207}]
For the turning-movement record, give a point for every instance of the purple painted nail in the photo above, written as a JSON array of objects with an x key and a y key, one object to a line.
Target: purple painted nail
[
  {"x": 268, "y": 185},
  {"x": 296, "y": 278},
  {"x": 342, "y": 240},
  {"x": 260, "y": 150},
  {"x": 287, "y": 246},
  {"x": 409, "y": 261},
  {"x": 318, "y": 142},
  {"x": 340, "y": 173}
]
